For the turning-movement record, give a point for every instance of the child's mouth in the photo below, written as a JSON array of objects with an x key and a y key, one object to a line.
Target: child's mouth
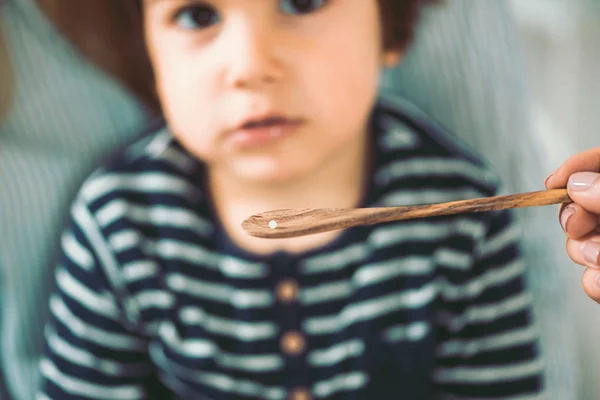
[
  {"x": 263, "y": 131},
  {"x": 268, "y": 122}
]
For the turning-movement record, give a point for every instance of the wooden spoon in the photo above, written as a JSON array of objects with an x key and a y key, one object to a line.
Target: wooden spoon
[{"x": 288, "y": 223}]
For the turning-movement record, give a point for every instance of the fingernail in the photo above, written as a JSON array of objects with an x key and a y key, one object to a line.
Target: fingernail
[
  {"x": 590, "y": 251},
  {"x": 565, "y": 215},
  {"x": 548, "y": 178},
  {"x": 581, "y": 181}
]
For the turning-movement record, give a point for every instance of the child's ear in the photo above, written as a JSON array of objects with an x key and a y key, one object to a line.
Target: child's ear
[{"x": 391, "y": 58}]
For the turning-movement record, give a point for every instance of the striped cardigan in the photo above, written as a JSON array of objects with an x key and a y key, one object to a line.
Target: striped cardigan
[{"x": 153, "y": 300}]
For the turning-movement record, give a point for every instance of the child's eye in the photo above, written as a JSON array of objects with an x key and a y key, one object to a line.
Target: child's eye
[
  {"x": 301, "y": 6},
  {"x": 196, "y": 17}
]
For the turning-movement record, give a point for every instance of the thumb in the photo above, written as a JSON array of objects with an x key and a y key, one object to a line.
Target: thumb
[{"x": 584, "y": 189}]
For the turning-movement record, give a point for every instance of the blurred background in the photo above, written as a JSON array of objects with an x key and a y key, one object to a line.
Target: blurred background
[{"x": 561, "y": 41}]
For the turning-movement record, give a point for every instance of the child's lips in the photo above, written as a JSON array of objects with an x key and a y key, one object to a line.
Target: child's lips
[{"x": 260, "y": 133}]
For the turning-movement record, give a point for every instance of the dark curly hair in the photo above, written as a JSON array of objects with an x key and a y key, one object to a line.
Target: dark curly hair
[{"x": 110, "y": 34}]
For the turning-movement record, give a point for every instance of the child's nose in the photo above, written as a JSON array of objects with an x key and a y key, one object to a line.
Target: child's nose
[{"x": 253, "y": 55}]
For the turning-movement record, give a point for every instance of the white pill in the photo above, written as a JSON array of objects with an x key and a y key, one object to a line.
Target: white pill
[{"x": 272, "y": 224}]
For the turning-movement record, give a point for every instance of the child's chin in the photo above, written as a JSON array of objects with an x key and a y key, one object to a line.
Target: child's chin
[
  {"x": 270, "y": 178},
  {"x": 270, "y": 175}
]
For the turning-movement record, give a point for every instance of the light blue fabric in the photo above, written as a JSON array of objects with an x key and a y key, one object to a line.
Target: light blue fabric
[{"x": 66, "y": 115}]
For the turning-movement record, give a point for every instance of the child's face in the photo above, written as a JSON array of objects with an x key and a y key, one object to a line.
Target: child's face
[{"x": 266, "y": 90}]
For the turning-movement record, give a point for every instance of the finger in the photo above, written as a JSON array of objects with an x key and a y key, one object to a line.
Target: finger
[
  {"x": 585, "y": 252},
  {"x": 584, "y": 189},
  {"x": 576, "y": 221},
  {"x": 591, "y": 283},
  {"x": 586, "y": 161}
]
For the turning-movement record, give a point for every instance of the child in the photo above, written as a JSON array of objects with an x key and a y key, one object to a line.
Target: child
[{"x": 273, "y": 104}]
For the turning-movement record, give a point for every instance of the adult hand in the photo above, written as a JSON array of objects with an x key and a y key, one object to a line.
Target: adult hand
[{"x": 580, "y": 220}]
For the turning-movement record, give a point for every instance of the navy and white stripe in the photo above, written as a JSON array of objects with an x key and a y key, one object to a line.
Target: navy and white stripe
[{"x": 416, "y": 308}]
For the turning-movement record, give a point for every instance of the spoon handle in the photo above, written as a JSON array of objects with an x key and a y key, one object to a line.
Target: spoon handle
[
  {"x": 521, "y": 200},
  {"x": 292, "y": 223}
]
